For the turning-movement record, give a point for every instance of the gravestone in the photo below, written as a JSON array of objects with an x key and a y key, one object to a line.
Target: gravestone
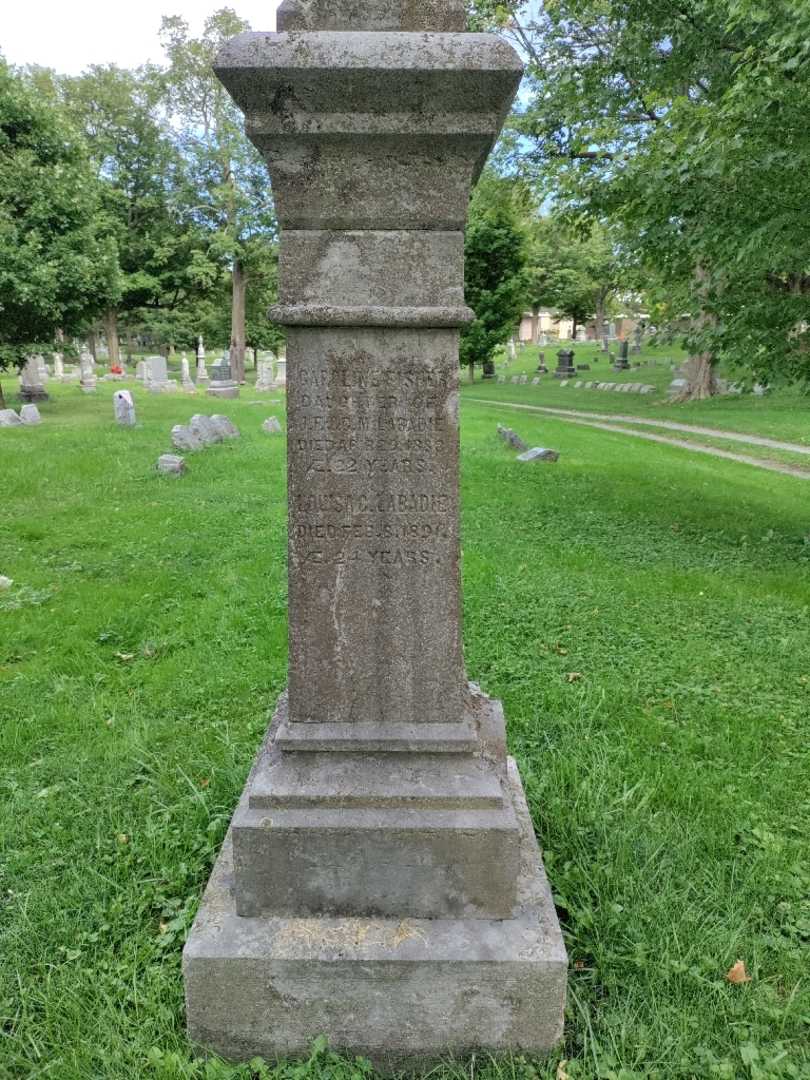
[
  {"x": 124, "y": 408},
  {"x": 58, "y": 366},
  {"x": 140, "y": 371},
  {"x": 183, "y": 438},
  {"x": 539, "y": 453},
  {"x": 157, "y": 374},
  {"x": 638, "y": 337},
  {"x": 266, "y": 380},
  {"x": 171, "y": 465},
  {"x": 623, "y": 363},
  {"x": 29, "y": 414},
  {"x": 185, "y": 376},
  {"x": 272, "y": 426},
  {"x": 32, "y": 380},
  {"x": 202, "y": 374},
  {"x": 221, "y": 383},
  {"x": 565, "y": 364},
  {"x": 511, "y": 438},
  {"x": 9, "y": 418},
  {"x": 281, "y": 373},
  {"x": 87, "y": 367},
  {"x": 381, "y": 884}
]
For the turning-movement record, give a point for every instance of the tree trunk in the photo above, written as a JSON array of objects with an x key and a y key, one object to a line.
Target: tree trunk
[
  {"x": 91, "y": 343},
  {"x": 535, "y": 325},
  {"x": 2, "y": 397},
  {"x": 472, "y": 371},
  {"x": 699, "y": 372},
  {"x": 129, "y": 346},
  {"x": 600, "y": 322},
  {"x": 255, "y": 359},
  {"x": 239, "y": 289},
  {"x": 111, "y": 333}
]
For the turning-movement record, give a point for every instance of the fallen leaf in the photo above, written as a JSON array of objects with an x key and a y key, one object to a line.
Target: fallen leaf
[
  {"x": 561, "y": 1073},
  {"x": 124, "y": 656},
  {"x": 737, "y": 974},
  {"x": 164, "y": 926},
  {"x": 573, "y": 676},
  {"x": 122, "y": 838},
  {"x": 205, "y": 782},
  {"x": 559, "y": 650}
]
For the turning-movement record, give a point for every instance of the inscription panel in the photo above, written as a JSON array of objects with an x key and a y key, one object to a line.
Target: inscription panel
[{"x": 373, "y": 526}]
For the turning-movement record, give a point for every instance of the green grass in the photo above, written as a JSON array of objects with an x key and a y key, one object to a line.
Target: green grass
[
  {"x": 143, "y": 644},
  {"x": 781, "y": 414}
]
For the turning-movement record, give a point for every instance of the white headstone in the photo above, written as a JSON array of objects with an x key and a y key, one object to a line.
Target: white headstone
[
  {"x": 88, "y": 371},
  {"x": 124, "y": 408},
  {"x": 202, "y": 374}
]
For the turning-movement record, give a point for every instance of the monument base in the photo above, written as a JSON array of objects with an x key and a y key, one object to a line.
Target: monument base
[{"x": 402, "y": 992}]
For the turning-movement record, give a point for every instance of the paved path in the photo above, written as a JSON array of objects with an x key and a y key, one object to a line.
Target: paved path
[{"x": 573, "y": 417}]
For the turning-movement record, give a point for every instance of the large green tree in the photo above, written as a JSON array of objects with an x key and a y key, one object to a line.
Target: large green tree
[
  {"x": 233, "y": 200},
  {"x": 685, "y": 125},
  {"x": 162, "y": 249},
  {"x": 58, "y": 266},
  {"x": 495, "y": 260}
]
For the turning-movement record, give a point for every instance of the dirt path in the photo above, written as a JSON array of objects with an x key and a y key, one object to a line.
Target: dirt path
[
  {"x": 673, "y": 425},
  {"x": 571, "y": 417}
]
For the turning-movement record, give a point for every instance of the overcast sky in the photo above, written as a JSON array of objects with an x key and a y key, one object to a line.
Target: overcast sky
[{"x": 69, "y": 35}]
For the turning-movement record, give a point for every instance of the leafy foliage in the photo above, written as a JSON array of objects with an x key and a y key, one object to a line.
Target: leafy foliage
[
  {"x": 495, "y": 258},
  {"x": 684, "y": 125},
  {"x": 58, "y": 265}
]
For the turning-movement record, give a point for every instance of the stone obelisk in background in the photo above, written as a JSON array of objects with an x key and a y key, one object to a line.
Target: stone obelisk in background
[{"x": 381, "y": 883}]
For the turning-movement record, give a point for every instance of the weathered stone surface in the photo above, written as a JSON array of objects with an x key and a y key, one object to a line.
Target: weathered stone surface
[
  {"x": 29, "y": 414},
  {"x": 335, "y": 126},
  {"x": 511, "y": 438},
  {"x": 183, "y": 438},
  {"x": 372, "y": 426},
  {"x": 400, "y": 991},
  {"x": 205, "y": 429},
  {"x": 171, "y": 465},
  {"x": 226, "y": 427},
  {"x": 538, "y": 453},
  {"x": 272, "y": 426},
  {"x": 9, "y": 418},
  {"x": 371, "y": 15},
  {"x": 124, "y": 408}
]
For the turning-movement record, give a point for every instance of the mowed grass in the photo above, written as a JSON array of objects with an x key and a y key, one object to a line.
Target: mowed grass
[
  {"x": 783, "y": 413},
  {"x": 643, "y": 612}
]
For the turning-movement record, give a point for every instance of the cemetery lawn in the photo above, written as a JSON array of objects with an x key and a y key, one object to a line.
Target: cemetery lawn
[{"x": 643, "y": 612}]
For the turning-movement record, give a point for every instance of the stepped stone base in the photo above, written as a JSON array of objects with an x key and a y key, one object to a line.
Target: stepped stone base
[{"x": 402, "y": 992}]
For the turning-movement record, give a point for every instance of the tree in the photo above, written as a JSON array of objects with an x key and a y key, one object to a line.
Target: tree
[
  {"x": 57, "y": 268},
  {"x": 233, "y": 201},
  {"x": 161, "y": 248},
  {"x": 494, "y": 258},
  {"x": 574, "y": 272},
  {"x": 684, "y": 125}
]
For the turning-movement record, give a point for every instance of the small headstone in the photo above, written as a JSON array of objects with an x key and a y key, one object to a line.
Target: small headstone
[
  {"x": 183, "y": 438},
  {"x": 185, "y": 376},
  {"x": 266, "y": 380},
  {"x": 647, "y": 390},
  {"x": 759, "y": 390},
  {"x": 677, "y": 387},
  {"x": 583, "y": 367},
  {"x": 171, "y": 465},
  {"x": 271, "y": 426},
  {"x": 205, "y": 429},
  {"x": 157, "y": 374},
  {"x": 514, "y": 380},
  {"x": 512, "y": 438},
  {"x": 87, "y": 366},
  {"x": 58, "y": 366},
  {"x": 565, "y": 364},
  {"x": 202, "y": 374},
  {"x": 32, "y": 380},
  {"x": 577, "y": 384},
  {"x": 140, "y": 370},
  {"x": 523, "y": 379},
  {"x": 539, "y": 453},
  {"x": 225, "y": 427},
  {"x": 281, "y": 371},
  {"x": 501, "y": 379},
  {"x": 8, "y": 418},
  {"x": 124, "y": 408},
  {"x": 222, "y": 384},
  {"x": 564, "y": 382},
  {"x": 536, "y": 380},
  {"x": 29, "y": 414}
]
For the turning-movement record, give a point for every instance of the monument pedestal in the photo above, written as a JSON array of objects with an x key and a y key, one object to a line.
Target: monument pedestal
[{"x": 402, "y": 991}]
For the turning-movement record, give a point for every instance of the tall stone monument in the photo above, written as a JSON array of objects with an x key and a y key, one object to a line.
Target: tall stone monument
[{"x": 380, "y": 883}]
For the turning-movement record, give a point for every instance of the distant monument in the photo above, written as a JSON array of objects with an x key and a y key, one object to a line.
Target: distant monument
[{"x": 381, "y": 884}]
